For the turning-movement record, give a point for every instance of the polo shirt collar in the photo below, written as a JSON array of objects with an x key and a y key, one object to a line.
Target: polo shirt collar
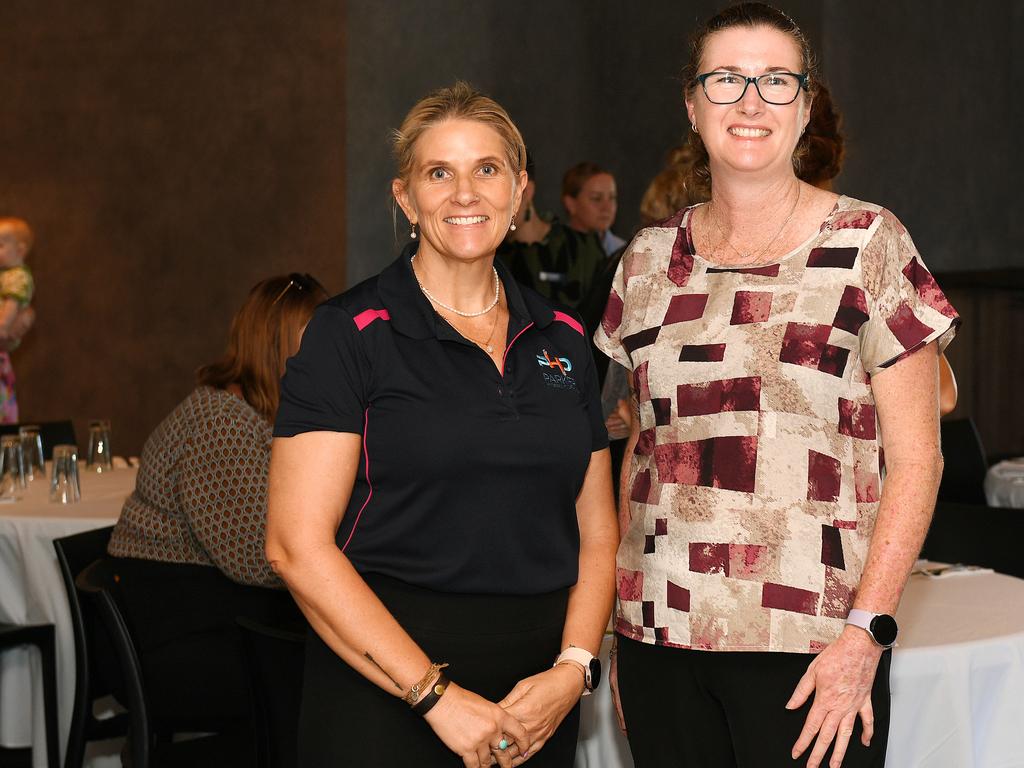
[{"x": 413, "y": 316}]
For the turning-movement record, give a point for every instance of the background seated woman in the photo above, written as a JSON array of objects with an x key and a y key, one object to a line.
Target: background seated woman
[{"x": 189, "y": 542}]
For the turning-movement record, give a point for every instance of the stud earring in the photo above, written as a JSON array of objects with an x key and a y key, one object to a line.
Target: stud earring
[
  {"x": 412, "y": 233},
  {"x": 512, "y": 226}
]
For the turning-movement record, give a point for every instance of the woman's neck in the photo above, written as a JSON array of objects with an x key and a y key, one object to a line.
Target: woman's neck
[
  {"x": 466, "y": 285},
  {"x": 743, "y": 209}
]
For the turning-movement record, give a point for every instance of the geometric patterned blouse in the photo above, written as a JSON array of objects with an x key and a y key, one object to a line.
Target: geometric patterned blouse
[
  {"x": 201, "y": 492},
  {"x": 755, "y": 483}
]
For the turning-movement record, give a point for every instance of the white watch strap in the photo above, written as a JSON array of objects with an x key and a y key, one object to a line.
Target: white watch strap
[
  {"x": 859, "y": 618},
  {"x": 863, "y": 619},
  {"x": 582, "y": 657}
]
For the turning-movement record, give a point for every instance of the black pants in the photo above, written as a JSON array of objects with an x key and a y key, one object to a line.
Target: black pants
[
  {"x": 182, "y": 619},
  {"x": 704, "y": 709},
  {"x": 490, "y": 641}
]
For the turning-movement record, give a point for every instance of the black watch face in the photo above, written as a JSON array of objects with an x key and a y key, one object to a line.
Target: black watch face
[
  {"x": 883, "y": 629},
  {"x": 595, "y": 673}
]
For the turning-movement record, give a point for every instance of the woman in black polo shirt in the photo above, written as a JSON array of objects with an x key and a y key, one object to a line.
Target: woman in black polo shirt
[{"x": 439, "y": 487}]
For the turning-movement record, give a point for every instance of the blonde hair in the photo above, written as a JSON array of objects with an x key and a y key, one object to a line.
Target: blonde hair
[
  {"x": 264, "y": 334},
  {"x": 673, "y": 188},
  {"x": 456, "y": 102}
]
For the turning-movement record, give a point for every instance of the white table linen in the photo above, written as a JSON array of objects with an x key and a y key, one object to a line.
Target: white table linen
[
  {"x": 32, "y": 591},
  {"x": 1004, "y": 484},
  {"x": 957, "y": 680}
]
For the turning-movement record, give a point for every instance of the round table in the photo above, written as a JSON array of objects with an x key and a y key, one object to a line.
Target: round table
[
  {"x": 32, "y": 592},
  {"x": 957, "y": 680}
]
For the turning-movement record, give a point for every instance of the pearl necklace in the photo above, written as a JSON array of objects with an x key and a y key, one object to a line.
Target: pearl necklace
[{"x": 459, "y": 312}]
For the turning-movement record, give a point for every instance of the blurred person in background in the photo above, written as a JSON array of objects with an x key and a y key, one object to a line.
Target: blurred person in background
[
  {"x": 591, "y": 199},
  {"x": 16, "y": 315},
  {"x": 189, "y": 545},
  {"x": 555, "y": 260}
]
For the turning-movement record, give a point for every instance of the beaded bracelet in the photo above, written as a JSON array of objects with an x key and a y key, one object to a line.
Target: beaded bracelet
[{"x": 414, "y": 693}]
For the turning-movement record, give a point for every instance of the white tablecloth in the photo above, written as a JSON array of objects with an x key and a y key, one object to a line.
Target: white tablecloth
[
  {"x": 31, "y": 591},
  {"x": 1004, "y": 484},
  {"x": 957, "y": 680}
]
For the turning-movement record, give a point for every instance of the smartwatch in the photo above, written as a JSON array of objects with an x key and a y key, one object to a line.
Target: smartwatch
[
  {"x": 881, "y": 626},
  {"x": 590, "y": 663}
]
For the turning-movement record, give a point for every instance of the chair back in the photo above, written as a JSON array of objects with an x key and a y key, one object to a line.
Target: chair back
[
  {"x": 275, "y": 658},
  {"x": 97, "y": 585},
  {"x": 92, "y": 653},
  {"x": 52, "y": 432},
  {"x": 964, "y": 463},
  {"x": 976, "y": 535}
]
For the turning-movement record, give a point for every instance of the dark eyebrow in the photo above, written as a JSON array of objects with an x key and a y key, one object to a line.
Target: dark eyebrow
[{"x": 737, "y": 69}]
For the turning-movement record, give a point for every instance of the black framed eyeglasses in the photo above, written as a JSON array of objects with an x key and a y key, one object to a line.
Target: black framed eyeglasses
[
  {"x": 301, "y": 281},
  {"x": 779, "y": 88}
]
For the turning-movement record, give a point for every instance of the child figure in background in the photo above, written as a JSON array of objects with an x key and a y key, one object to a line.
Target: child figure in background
[{"x": 16, "y": 316}]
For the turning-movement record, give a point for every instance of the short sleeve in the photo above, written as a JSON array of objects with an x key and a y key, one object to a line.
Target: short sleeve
[
  {"x": 325, "y": 386},
  {"x": 906, "y": 308},
  {"x": 16, "y": 283},
  {"x": 592, "y": 402},
  {"x": 608, "y": 336}
]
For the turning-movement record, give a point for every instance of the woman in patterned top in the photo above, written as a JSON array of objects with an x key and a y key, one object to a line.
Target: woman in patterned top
[
  {"x": 774, "y": 334},
  {"x": 189, "y": 542}
]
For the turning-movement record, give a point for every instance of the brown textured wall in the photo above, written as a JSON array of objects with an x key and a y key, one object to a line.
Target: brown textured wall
[{"x": 168, "y": 155}]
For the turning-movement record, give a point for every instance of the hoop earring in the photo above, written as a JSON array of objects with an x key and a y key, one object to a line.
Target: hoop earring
[
  {"x": 412, "y": 232},
  {"x": 693, "y": 127},
  {"x": 512, "y": 226}
]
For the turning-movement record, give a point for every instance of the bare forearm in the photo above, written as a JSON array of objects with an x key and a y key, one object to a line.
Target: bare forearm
[
  {"x": 905, "y": 511},
  {"x": 350, "y": 618},
  {"x": 591, "y": 600}
]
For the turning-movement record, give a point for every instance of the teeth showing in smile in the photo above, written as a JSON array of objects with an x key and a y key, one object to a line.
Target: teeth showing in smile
[
  {"x": 749, "y": 133},
  {"x": 461, "y": 220}
]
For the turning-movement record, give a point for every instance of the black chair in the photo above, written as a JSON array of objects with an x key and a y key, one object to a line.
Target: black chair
[
  {"x": 42, "y": 637},
  {"x": 976, "y": 535},
  {"x": 965, "y": 465},
  {"x": 275, "y": 657},
  {"x": 52, "y": 432},
  {"x": 94, "y": 657},
  {"x": 145, "y": 748}
]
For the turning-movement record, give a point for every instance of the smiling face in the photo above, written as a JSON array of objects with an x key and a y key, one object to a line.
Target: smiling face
[
  {"x": 594, "y": 208},
  {"x": 750, "y": 135},
  {"x": 461, "y": 191}
]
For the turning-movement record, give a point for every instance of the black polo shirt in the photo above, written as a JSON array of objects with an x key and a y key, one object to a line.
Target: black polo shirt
[{"x": 469, "y": 477}]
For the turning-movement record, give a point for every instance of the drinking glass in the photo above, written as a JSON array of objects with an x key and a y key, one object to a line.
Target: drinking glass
[
  {"x": 32, "y": 451},
  {"x": 12, "y": 467},
  {"x": 64, "y": 487},
  {"x": 99, "y": 457}
]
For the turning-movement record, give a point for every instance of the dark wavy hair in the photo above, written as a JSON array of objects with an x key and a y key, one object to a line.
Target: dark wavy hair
[
  {"x": 825, "y": 143},
  {"x": 264, "y": 334},
  {"x": 744, "y": 15}
]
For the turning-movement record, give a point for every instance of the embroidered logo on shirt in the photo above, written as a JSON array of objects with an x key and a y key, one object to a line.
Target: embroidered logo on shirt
[
  {"x": 563, "y": 364},
  {"x": 557, "y": 377}
]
